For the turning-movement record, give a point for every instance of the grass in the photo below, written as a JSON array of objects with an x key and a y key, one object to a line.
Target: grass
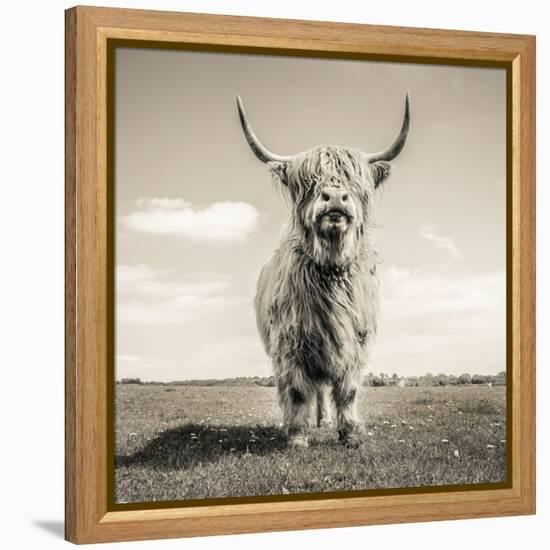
[{"x": 175, "y": 443}]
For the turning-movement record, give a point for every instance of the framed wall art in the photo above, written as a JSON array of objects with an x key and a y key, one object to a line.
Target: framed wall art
[{"x": 300, "y": 274}]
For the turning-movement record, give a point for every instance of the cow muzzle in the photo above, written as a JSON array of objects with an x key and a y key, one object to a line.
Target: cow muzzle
[{"x": 334, "y": 210}]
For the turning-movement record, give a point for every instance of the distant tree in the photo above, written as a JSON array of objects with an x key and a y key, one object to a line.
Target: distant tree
[
  {"x": 427, "y": 380},
  {"x": 442, "y": 379},
  {"x": 465, "y": 379},
  {"x": 395, "y": 376},
  {"x": 131, "y": 381},
  {"x": 479, "y": 379},
  {"x": 267, "y": 382},
  {"x": 373, "y": 380},
  {"x": 367, "y": 381}
]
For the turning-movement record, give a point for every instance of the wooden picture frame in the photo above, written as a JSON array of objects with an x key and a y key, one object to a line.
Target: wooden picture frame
[{"x": 91, "y": 35}]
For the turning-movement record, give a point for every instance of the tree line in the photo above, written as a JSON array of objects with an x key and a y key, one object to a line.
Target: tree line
[
  {"x": 429, "y": 379},
  {"x": 370, "y": 379},
  {"x": 265, "y": 381}
]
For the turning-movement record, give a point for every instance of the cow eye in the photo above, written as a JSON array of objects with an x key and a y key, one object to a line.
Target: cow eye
[{"x": 325, "y": 196}]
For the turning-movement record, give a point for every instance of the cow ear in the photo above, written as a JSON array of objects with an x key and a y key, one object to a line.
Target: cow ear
[
  {"x": 380, "y": 171},
  {"x": 278, "y": 170}
]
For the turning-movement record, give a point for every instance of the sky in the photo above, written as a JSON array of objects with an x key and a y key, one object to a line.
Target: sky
[{"x": 197, "y": 215}]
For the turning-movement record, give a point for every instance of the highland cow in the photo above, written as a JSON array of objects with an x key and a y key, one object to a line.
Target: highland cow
[{"x": 317, "y": 297}]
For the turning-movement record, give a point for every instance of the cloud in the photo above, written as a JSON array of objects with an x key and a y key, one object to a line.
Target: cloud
[
  {"x": 217, "y": 222},
  {"x": 145, "y": 282},
  {"x": 410, "y": 293},
  {"x": 227, "y": 357},
  {"x": 441, "y": 322},
  {"x": 240, "y": 355},
  {"x": 149, "y": 296},
  {"x": 446, "y": 244}
]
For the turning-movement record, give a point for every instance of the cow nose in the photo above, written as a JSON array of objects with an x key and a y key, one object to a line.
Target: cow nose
[{"x": 334, "y": 197}]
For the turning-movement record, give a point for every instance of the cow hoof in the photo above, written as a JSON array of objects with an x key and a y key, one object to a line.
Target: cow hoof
[
  {"x": 349, "y": 441},
  {"x": 298, "y": 442}
]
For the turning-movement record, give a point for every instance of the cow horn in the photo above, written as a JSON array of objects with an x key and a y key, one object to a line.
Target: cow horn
[
  {"x": 257, "y": 148},
  {"x": 396, "y": 147}
]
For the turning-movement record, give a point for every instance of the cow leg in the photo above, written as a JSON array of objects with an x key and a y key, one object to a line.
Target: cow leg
[
  {"x": 323, "y": 406},
  {"x": 295, "y": 396},
  {"x": 344, "y": 394}
]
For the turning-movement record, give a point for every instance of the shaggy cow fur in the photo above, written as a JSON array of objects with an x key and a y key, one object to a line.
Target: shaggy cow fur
[{"x": 317, "y": 297}]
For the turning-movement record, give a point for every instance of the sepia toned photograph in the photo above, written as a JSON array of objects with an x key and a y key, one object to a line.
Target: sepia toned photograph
[{"x": 310, "y": 270}]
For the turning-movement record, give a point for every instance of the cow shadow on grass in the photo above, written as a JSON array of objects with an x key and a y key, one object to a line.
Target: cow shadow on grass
[{"x": 193, "y": 444}]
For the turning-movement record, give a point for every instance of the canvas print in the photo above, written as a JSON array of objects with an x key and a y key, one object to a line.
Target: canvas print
[{"x": 310, "y": 276}]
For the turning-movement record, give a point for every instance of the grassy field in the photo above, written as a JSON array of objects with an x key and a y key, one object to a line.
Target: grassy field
[{"x": 178, "y": 442}]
